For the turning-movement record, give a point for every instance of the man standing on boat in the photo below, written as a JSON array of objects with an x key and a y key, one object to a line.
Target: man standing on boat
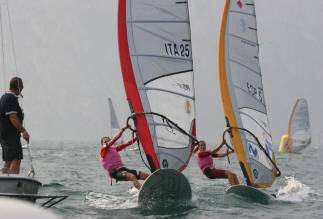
[
  {"x": 11, "y": 128},
  {"x": 204, "y": 159},
  {"x": 111, "y": 160}
]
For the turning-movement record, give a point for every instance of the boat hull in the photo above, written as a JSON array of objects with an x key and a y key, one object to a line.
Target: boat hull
[
  {"x": 250, "y": 193},
  {"x": 165, "y": 188},
  {"x": 16, "y": 184}
]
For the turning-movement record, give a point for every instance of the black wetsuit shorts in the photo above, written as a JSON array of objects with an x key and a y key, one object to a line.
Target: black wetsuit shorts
[
  {"x": 214, "y": 173},
  {"x": 120, "y": 173},
  {"x": 11, "y": 149}
]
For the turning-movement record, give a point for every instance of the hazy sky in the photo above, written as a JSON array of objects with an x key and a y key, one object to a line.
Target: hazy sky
[{"x": 67, "y": 55}]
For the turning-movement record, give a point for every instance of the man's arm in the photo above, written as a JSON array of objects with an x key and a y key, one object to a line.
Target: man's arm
[
  {"x": 124, "y": 145},
  {"x": 17, "y": 124}
]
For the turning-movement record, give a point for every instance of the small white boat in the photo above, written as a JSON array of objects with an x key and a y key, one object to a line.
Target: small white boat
[{"x": 26, "y": 187}]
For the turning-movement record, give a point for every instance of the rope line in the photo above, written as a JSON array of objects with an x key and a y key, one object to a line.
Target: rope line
[
  {"x": 135, "y": 133},
  {"x": 2, "y": 49},
  {"x": 126, "y": 152},
  {"x": 166, "y": 120},
  {"x": 169, "y": 122},
  {"x": 12, "y": 39},
  {"x": 229, "y": 129}
]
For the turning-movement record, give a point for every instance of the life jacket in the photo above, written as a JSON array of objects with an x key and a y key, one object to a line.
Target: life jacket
[
  {"x": 111, "y": 160},
  {"x": 204, "y": 162}
]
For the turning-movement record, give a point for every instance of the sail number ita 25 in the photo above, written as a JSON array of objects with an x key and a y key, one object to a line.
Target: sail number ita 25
[{"x": 173, "y": 49}]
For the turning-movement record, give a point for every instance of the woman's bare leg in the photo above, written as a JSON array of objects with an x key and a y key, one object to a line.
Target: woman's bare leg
[
  {"x": 233, "y": 179},
  {"x": 143, "y": 175},
  {"x": 15, "y": 166},
  {"x": 131, "y": 177},
  {"x": 6, "y": 166}
]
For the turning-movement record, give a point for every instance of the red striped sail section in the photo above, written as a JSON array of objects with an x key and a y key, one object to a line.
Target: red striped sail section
[{"x": 131, "y": 87}]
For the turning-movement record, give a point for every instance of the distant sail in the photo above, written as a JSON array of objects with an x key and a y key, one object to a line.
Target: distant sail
[
  {"x": 321, "y": 138},
  {"x": 242, "y": 92},
  {"x": 114, "y": 121},
  {"x": 114, "y": 124},
  {"x": 299, "y": 130},
  {"x": 157, "y": 69}
]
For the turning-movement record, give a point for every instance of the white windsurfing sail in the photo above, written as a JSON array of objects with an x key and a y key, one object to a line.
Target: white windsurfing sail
[
  {"x": 114, "y": 124},
  {"x": 157, "y": 69},
  {"x": 242, "y": 93},
  {"x": 299, "y": 132}
]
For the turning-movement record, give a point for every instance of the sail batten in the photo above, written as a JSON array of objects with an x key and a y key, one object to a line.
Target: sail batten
[
  {"x": 169, "y": 74},
  {"x": 156, "y": 59},
  {"x": 157, "y": 21},
  {"x": 244, "y": 13},
  {"x": 253, "y": 71},
  {"x": 245, "y": 40},
  {"x": 160, "y": 56},
  {"x": 242, "y": 92},
  {"x": 167, "y": 91}
]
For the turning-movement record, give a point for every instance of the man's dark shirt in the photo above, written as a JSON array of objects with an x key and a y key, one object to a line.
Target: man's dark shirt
[{"x": 8, "y": 105}]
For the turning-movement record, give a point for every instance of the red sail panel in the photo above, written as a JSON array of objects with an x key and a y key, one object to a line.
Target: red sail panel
[{"x": 131, "y": 87}]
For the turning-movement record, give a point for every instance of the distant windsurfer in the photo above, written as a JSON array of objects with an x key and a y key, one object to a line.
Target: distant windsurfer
[
  {"x": 111, "y": 160},
  {"x": 204, "y": 159},
  {"x": 11, "y": 128}
]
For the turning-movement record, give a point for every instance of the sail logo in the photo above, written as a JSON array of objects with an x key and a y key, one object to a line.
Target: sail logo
[
  {"x": 255, "y": 173},
  {"x": 188, "y": 107},
  {"x": 165, "y": 163},
  {"x": 268, "y": 144},
  {"x": 184, "y": 86},
  {"x": 243, "y": 25},
  {"x": 253, "y": 151},
  {"x": 239, "y": 3}
]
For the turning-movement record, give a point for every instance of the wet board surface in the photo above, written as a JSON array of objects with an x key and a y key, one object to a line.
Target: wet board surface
[
  {"x": 163, "y": 188},
  {"x": 250, "y": 192}
]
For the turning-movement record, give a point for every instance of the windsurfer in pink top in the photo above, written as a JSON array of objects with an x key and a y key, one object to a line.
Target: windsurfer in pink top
[
  {"x": 204, "y": 159},
  {"x": 111, "y": 160}
]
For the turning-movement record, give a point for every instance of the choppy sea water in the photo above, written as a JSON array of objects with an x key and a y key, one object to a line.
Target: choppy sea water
[{"x": 73, "y": 169}]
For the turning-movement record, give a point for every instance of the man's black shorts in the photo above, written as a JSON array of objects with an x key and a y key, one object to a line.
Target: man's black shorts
[
  {"x": 11, "y": 149},
  {"x": 120, "y": 173}
]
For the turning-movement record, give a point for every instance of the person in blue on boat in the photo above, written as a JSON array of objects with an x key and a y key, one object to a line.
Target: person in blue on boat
[
  {"x": 11, "y": 128},
  {"x": 204, "y": 159}
]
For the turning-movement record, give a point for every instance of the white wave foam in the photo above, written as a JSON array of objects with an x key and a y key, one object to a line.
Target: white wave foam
[
  {"x": 134, "y": 191},
  {"x": 104, "y": 201},
  {"x": 294, "y": 191}
]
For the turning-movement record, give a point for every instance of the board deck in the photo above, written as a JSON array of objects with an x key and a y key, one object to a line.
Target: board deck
[
  {"x": 250, "y": 192},
  {"x": 165, "y": 187}
]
